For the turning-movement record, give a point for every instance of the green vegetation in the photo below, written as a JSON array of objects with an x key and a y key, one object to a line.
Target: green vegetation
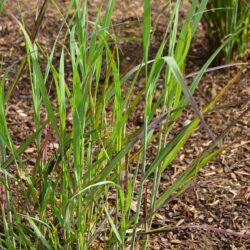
[
  {"x": 225, "y": 17},
  {"x": 86, "y": 189},
  {"x": 2, "y": 3}
]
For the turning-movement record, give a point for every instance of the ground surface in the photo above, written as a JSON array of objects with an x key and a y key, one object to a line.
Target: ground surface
[{"x": 221, "y": 194}]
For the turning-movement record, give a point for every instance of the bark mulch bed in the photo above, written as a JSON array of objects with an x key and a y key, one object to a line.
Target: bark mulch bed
[{"x": 219, "y": 197}]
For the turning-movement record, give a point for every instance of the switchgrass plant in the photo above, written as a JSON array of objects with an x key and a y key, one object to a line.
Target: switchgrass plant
[
  {"x": 225, "y": 17},
  {"x": 87, "y": 190}
]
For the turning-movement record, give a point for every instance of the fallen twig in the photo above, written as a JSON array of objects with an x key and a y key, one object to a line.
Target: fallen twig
[{"x": 203, "y": 227}]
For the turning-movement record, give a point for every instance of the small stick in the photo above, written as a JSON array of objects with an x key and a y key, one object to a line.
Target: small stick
[{"x": 203, "y": 227}]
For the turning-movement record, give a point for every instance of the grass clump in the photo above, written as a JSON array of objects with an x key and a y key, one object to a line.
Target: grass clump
[
  {"x": 85, "y": 190},
  {"x": 225, "y": 17}
]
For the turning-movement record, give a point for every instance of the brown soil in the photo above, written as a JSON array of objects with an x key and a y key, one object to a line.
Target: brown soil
[{"x": 220, "y": 195}]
